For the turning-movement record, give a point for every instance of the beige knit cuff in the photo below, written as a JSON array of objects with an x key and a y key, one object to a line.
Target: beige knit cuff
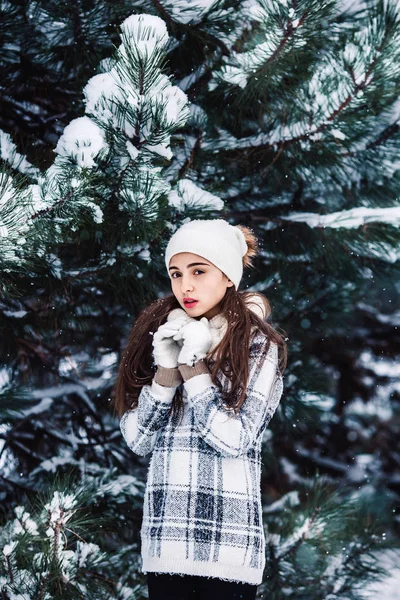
[
  {"x": 199, "y": 368},
  {"x": 168, "y": 377}
]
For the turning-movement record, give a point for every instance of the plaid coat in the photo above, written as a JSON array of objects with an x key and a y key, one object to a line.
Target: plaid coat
[{"x": 202, "y": 512}]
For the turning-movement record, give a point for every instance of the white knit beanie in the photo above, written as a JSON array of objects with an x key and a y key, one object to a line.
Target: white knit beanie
[{"x": 215, "y": 240}]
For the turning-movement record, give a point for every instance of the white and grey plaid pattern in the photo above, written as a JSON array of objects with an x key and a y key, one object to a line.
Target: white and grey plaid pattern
[{"x": 202, "y": 512}]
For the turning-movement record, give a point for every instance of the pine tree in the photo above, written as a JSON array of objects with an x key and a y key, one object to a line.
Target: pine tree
[{"x": 281, "y": 115}]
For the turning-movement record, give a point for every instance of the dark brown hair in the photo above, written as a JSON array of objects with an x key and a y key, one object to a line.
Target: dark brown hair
[{"x": 231, "y": 355}]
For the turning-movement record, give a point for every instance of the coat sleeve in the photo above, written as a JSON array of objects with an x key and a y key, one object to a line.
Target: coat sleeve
[
  {"x": 230, "y": 434},
  {"x": 140, "y": 426}
]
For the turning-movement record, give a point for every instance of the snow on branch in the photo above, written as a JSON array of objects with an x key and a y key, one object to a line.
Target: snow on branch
[
  {"x": 187, "y": 11},
  {"x": 131, "y": 111},
  {"x": 188, "y": 194},
  {"x": 115, "y": 150},
  {"x": 53, "y": 555},
  {"x": 16, "y": 209},
  {"x": 83, "y": 141},
  {"x": 8, "y": 153},
  {"x": 280, "y": 23},
  {"x": 343, "y": 80},
  {"x": 133, "y": 96},
  {"x": 349, "y": 219}
]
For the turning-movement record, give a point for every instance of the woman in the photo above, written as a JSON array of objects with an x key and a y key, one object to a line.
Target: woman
[{"x": 200, "y": 380}]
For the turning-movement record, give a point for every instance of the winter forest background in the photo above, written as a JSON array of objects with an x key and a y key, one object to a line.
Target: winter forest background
[{"x": 118, "y": 122}]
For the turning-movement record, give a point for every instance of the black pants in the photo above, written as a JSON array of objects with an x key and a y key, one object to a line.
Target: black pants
[{"x": 163, "y": 586}]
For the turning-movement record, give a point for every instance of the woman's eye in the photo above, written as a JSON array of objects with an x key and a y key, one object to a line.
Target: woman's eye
[{"x": 176, "y": 273}]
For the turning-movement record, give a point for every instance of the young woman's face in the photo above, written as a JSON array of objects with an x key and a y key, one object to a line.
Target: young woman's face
[{"x": 203, "y": 282}]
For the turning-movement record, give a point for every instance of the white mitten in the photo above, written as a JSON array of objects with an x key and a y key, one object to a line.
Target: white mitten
[
  {"x": 197, "y": 340},
  {"x": 165, "y": 348}
]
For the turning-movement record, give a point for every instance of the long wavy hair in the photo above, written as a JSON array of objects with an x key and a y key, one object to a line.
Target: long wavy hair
[{"x": 230, "y": 357}]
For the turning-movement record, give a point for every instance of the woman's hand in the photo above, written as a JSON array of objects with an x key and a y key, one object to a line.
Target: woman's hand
[
  {"x": 165, "y": 348},
  {"x": 197, "y": 340}
]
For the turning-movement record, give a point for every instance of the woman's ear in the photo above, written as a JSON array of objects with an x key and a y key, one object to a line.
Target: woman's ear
[{"x": 229, "y": 283}]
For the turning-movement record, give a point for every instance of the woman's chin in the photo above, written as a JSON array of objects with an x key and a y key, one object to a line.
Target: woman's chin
[{"x": 193, "y": 313}]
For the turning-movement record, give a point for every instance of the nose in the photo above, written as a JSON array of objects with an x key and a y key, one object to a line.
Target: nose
[{"x": 186, "y": 285}]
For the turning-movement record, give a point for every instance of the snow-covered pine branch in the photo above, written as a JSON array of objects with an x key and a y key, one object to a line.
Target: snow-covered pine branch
[
  {"x": 18, "y": 162},
  {"x": 113, "y": 151},
  {"x": 353, "y": 219},
  {"x": 279, "y": 29},
  {"x": 53, "y": 525},
  {"x": 16, "y": 209},
  {"x": 349, "y": 219},
  {"x": 343, "y": 79},
  {"x": 131, "y": 111}
]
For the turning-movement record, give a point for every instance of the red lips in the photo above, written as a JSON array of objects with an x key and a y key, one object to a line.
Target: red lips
[{"x": 188, "y": 303}]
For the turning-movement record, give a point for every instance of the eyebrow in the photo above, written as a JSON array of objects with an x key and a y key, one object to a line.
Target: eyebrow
[{"x": 191, "y": 265}]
